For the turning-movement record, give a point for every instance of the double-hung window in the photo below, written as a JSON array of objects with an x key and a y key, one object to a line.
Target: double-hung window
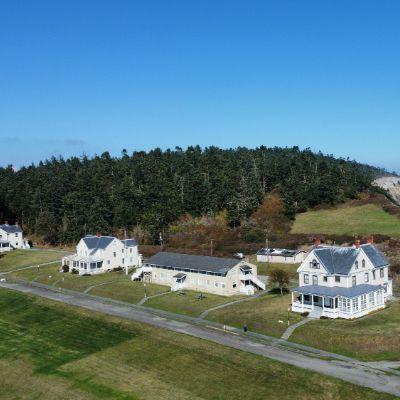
[
  {"x": 306, "y": 279},
  {"x": 382, "y": 273},
  {"x": 366, "y": 277}
]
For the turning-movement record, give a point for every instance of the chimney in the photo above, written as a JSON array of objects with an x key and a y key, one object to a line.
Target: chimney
[
  {"x": 16, "y": 223},
  {"x": 370, "y": 239},
  {"x": 98, "y": 234},
  {"x": 5, "y": 222},
  {"x": 317, "y": 242},
  {"x": 357, "y": 243}
]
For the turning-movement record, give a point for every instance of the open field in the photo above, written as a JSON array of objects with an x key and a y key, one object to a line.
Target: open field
[
  {"x": 67, "y": 352},
  {"x": 24, "y": 258},
  {"x": 260, "y": 315},
  {"x": 353, "y": 220},
  {"x": 189, "y": 303},
  {"x": 371, "y": 338}
]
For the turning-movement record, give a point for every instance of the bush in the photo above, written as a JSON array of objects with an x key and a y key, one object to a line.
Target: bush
[
  {"x": 305, "y": 314},
  {"x": 86, "y": 274},
  {"x": 117, "y": 269},
  {"x": 74, "y": 271},
  {"x": 65, "y": 268},
  {"x": 323, "y": 317}
]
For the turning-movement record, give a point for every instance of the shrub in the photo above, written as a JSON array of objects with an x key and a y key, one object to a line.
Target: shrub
[
  {"x": 117, "y": 269},
  {"x": 74, "y": 271},
  {"x": 65, "y": 268},
  {"x": 305, "y": 314},
  {"x": 323, "y": 317}
]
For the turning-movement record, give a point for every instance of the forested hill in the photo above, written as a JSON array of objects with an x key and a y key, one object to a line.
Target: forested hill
[{"x": 65, "y": 198}]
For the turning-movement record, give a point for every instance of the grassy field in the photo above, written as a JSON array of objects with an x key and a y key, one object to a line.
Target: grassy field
[
  {"x": 189, "y": 303},
  {"x": 52, "y": 351},
  {"x": 372, "y": 338},
  {"x": 24, "y": 258},
  {"x": 355, "y": 220},
  {"x": 260, "y": 315},
  {"x": 264, "y": 268}
]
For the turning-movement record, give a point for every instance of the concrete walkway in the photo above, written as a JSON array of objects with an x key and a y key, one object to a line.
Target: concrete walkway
[
  {"x": 204, "y": 314},
  {"x": 305, "y": 357},
  {"x": 286, "y": 335},
  {"x": 144, "y": 299}
]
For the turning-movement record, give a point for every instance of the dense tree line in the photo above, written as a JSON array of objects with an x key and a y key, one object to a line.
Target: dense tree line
[{"x": 61, "y": 199}]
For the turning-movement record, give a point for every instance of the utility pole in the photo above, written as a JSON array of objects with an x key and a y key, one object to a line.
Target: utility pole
[
  {"x": 125, "y": 254},
  {"x": 211, "y": 249},
  {"x": 161, "y": 241}
]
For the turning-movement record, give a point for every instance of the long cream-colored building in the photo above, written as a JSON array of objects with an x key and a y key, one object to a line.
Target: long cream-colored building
[{"x": 222, "y": 276}]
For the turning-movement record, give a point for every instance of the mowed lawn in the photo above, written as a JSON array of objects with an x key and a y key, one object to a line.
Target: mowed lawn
[
  {"x": 264, "y": 268},
  {"x": 372, "y": 338},
  {"x": 51, "y": 351},
  {"x": 24, "y": 258},
  {"x": 190, "y": 303},
  {"x": 261, "y": 315},
  {"x": 353, "y": 220}
]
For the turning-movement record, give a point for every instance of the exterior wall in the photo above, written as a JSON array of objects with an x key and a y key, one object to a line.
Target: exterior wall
[
  {"x": 298, "y": 258},
  {"x": 4, "y": 248},
  {"x": 15, "y": 239},
  {"x": 228, "y": 285}
]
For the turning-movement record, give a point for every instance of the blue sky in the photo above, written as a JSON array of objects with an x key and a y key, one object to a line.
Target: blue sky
[{"x": 88, "y": 76}]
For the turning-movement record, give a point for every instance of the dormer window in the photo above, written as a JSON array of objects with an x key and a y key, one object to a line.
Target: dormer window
[
  {"x": 363, "y": 263},
  {"x": 314, "y": 264}
]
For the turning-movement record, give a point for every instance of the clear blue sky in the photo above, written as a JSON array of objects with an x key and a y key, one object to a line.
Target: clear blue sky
[{"x": 88, "y": 76}]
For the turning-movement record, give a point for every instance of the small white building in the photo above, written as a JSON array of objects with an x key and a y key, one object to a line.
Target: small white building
[
  {"x": 223, "y": 276},
  {"x": 283, "y": 256},
  {"x": 96, "y": 254},
  {"x": 11, "y": 237},
  {"x": 342, "y": 282}
]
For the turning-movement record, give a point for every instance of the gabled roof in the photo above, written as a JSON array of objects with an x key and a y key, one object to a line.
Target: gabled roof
[
  {"x": 340, "y": 260},
  {"x": 187, "y": 261},
  {"x": 11, "y": 228},
  {"x": 97, "y": 242},
  {"x": 129, "y": 242}
]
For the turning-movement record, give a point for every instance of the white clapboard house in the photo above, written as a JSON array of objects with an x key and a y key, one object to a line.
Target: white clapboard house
[
  {"x": 342, "y": 282},
  {"x": 12, "y": 237},
  {"x": 284, "y": 256},
  {"x": 223, "y": 276},
  {"x": 97, "y": 254}
]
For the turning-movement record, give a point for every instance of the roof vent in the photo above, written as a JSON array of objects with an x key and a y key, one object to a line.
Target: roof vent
[
  {"x": 98, "y": 234},
  {"x": 317, "y": 242},
  {"x": 357, "y": 243}
]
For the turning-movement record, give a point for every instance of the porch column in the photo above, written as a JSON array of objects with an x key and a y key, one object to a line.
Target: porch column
[
  {"x": 292, "y": 298},
  {"x": 323, "y": 305},
  {"x": 312, "y": 302},
  {"x": 351, "y": 306},
  {"x": 302, "y": 302}
]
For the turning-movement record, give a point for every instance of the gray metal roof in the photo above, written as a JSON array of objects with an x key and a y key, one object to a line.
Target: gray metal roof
[
  {"x": 340, "y": 260},
  {"x": 97, "y": 242},
  {"x": 335, "y": 291},
  {"x": 199, "y": 263},
  {"x": 11, "y": 228},
  {"x": 279, "y": 252},
  {"x": 129, "y": 242}
]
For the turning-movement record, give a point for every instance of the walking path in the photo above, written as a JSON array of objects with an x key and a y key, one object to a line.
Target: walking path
[
  {"x": 341, "y": 367},
  {"x": 142, "y": 301},
  {"x": 87, "y": 290},
  {"x": 204, "y": 314},
  {"x": 286, "y": 335},
  {"x": 29, "y": 267}
]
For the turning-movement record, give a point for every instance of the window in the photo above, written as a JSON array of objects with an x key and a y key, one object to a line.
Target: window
[
  {"x": 130, "y": 250},
  {"x": 315, "y": 280},
  {"x": 363, "y": 302},
  {"x": 337, "y": 278},
  {"x": 325, "y": 279},
  {"x": 354, "y": 280},
  {"x": 108, "y": 262},
  {"x": 234, "y": 285},
  {"x": 314, "y": 264},
  {"x": 208, "y": 282},
  {"x": 344, "y": 304},
  {"x": 223, "y": 285},
  {"x": 373, "y": 274},
  {"x": 123, "y": 261},
  {"x": 363, "y": 263},
  {"x": 356, "y": 265},
  {"x": 382, "y": 273},
  {"x": 372, "y": 299},
  {"x": 355, "y": 304},
  {"x": 115, "y": 254},
  {"x": 216, "y": 284},
  {"x": 306, "y": 281},
  {"x": 366, "y": 277}
]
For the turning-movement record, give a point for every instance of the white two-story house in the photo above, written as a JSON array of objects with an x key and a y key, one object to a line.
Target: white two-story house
[
  {"x": 11, "y": 237},
  {"x": 97, "y": 254},
  {"x": 342, "y": 282}
]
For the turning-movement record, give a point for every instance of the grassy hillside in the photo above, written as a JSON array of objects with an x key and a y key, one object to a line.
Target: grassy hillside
[
  {"x": 52, "y": 351},
  {"x": 352, "y": 220}
]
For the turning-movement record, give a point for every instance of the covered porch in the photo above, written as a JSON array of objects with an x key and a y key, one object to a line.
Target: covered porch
[{"x": 337, "y": 302}]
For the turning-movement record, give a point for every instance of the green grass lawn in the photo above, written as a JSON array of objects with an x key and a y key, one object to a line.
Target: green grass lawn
[
  {"x": 52, "y": 351},
  {"x": 24, "y": 258},
  {"x": 188, "y": 303},
  {"x": 355, "y": 220},
  {"x": 264, "y": 268},
  {"x": 126, "y": 290},
  {"x": 372, "y": 338},
  {"x": 261, "y": 315}
]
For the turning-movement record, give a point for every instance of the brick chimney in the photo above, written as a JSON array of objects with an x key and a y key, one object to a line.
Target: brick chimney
[
  {"x": 98, "y": 234},
  {"x": 357, "y": 243},
  {"x": 317, "y": 242},
  {"x": 5, "y": 222},
  {"x": 370, "y": 239}
]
